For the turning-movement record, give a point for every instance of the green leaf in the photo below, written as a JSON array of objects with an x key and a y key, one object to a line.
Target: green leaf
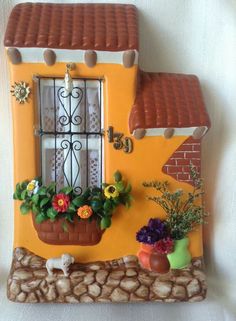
[
  {"x": 24, "y": 194},
  {"x": 51, "y": 187},
  {"x": 24, "y": 184},
  {"x": 78, "y": 201},
  {"x": 42, "y": 191},
  {"x": 51, "y": 213},
  {"x": 128, "y": 188},
  {"x": 117, "y": 176},
  {"x": 40, "y": 218},
  {"x": 18, "y": 189},
  {"x": 69, "y": 217},
  {"x": 120, "y": 186},
  {"x": 96, "y": 190},
  {"x": 107, "y": 205},
  {"x": 66, "y": 190},
  {"x": 15, "y": 197},
  {"x": 64, "y": 227},
  {"x": 25, "y": 208},
  {"x": 35, "y": 198},
  {"x": 105, "y": 222},
  {"x": 96, "y": 204},
  {"x": 104, "y": 185},
  {"x": 35, "y": 209},
  {"x": 72, "y": 208},
  {"x": 44, "y": 202},
  {"x": 87, "y": 193}
]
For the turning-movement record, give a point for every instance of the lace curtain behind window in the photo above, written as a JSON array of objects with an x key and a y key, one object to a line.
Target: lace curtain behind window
[{"x": 87, "y": 116}]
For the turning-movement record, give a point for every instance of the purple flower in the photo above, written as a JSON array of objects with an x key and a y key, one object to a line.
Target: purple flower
[{"x": 153, "y": 232}]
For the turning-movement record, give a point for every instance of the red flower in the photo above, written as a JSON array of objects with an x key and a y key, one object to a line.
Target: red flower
[
  {"x": 164, "y": 246},
  {"x": 61, "y": 202}
]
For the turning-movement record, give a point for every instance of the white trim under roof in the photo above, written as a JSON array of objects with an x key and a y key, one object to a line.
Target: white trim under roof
[
  {"x": 184, "y": 131},
  {"x": 35, "y": 55}
]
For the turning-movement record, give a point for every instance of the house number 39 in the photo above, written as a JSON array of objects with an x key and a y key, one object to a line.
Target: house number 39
[{"x": 119, "y": 141}]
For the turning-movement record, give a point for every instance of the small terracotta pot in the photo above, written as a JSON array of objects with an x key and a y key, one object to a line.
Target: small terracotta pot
[
  {"x": 144, "y": 255},
  {"x": 159, "y": 262}
]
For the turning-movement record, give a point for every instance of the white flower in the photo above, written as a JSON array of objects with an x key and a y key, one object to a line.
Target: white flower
[{"x": 32, "y": 187}]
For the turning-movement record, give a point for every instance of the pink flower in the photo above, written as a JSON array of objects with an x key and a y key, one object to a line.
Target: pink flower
[
  {"x": 61, "y": 202},
  {"x": 164, "y": 246}
]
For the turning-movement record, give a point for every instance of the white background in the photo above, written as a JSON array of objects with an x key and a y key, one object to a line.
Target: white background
[{"x": 186, "y": 36}]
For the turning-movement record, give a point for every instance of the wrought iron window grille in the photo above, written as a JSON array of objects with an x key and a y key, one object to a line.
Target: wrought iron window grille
[{"x": 72, "y": 130}]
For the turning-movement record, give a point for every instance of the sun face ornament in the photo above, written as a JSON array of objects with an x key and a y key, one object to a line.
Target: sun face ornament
[{"x": 21, "y": 91}]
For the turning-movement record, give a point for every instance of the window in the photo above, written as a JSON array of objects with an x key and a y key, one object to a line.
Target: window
[{"x": 71, "y": 145}]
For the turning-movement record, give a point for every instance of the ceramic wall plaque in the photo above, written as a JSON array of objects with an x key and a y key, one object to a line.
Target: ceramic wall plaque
[{"x": 108, "y": 196}]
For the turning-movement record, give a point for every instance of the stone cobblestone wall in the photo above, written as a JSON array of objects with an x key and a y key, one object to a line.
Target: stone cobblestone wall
[{"x": 121, "y": 280}]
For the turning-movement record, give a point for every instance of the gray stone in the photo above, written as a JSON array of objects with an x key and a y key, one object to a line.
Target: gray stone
[
  {"x": 86, "y": 299},
  {"x": 103, "y": 300},
  {"x": 29, "y": 286},
  {"x": 80, "y": 289},
  {"x": 199, "y": 275},
  {"x": 144, "y": 278},
  {"x": 19, "y": 253},
  {"x": 117, "y": 275},
  {"x": 51, "y": 279},
  {"x": 89, "y": 278},
  {"x": 129, "y": 284},
  {"x": 112, "y": 282},
  {"x": 130, "y": 258},
  {"x": 131, "y": 272},
  {"x": 101, "y": 276},
  {"x": 94, "y": 290},
  {"x": 26, "y": 259},
  {"x": 36, "y": 262},
  {"x": 63, "y": 286},
  {"x": 31, "y": 298},
  {"x": 51, "y": 294},
  {"x": 77, "y": 274},
  {"x": 22, "y": 274},
  {"x": 197, "y": 263},
  {"x": 40, "y": 296},
  {"x": 15, "y": 287},
  {"x": 106, "y": 290},
  {"x": 197, "y": 298},
  {"x": 170, "y": 300},
  {"x": 161, "y": 289},
  {"x": 118, "y": 295},
  {"x": 43, "y": 286},
  {"x": 21, "y": 297},
  {"x": 40, "y": 273},
  {"x": 94, "y": 267},
  {"x": 179, "y": 292},
  {"x": 135, "y": 298},
  {"x": 193, "y": 288},
  {"x": 71, "y": 299},
  {"x": 183, "y": 280},
  {"x": 142, "y": 291}
]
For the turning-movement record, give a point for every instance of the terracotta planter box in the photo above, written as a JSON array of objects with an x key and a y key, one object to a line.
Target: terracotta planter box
[{"x": 81, "y": 232}]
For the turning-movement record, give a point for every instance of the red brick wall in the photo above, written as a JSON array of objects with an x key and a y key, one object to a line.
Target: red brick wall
[{"x": 178, "y": 165}]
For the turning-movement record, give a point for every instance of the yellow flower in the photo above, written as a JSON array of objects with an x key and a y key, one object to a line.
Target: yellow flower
[
  {"x": 33, "y": 187},
  {"x": 111, "y": 191}
]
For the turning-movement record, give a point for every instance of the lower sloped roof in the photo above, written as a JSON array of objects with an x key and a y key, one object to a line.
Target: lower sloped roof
[{"x": 168, "y": 100}]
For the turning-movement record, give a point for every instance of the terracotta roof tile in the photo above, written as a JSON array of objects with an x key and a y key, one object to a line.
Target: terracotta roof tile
[
  {"x": 111, "y": 27},
  {"x": 166, "y": 100}
]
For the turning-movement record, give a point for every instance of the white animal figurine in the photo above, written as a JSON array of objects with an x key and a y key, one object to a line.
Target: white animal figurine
[{"x": 61, "y": 263}]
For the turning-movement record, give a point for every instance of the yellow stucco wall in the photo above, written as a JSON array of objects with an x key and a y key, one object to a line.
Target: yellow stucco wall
[{"x": 144, "y": 163}]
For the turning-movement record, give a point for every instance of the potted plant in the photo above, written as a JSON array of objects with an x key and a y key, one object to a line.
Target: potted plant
[
  {"x": 155, "y": 245},
  {"x": 64, "y": 217},
  {"x": 184, "y": 212}
]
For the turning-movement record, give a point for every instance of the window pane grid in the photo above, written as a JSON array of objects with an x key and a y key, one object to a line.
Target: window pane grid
[{"x": 70, "y": 133}]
